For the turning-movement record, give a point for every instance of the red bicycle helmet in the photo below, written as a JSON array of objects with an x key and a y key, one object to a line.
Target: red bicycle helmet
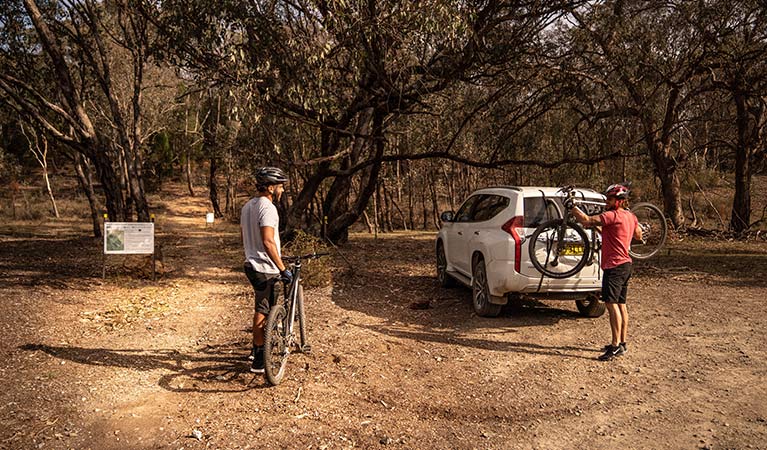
[{"x": 618, "y": 191}]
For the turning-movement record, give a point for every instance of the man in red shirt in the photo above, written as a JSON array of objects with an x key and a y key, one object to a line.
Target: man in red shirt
[{"x": 619, "y": 227}]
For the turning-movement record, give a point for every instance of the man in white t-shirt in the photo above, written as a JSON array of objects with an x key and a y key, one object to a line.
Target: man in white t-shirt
[{"x": 260, "y": 225}]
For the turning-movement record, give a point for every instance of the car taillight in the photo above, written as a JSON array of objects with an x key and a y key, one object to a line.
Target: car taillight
[{"x": 512, "y": 227}]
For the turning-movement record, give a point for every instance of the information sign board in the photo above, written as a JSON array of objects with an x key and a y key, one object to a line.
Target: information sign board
[{"x": 127, "y": 238}]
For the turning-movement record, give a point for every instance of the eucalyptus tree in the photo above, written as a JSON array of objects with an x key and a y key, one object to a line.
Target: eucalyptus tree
[
  {"x": 350, "y": 69},
  {"x": 735, "y": 33},
  {"x": 642, "y": 63},
  {"x": 76, "y": 69}
]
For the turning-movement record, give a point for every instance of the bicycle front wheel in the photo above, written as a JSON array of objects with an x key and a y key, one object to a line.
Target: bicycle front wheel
[
  {"x": 559, "y": 254},
  {"x": 276, "y": 343},
  {"x": 654, "y": 231},
  {"x": 301, "y": 318}
]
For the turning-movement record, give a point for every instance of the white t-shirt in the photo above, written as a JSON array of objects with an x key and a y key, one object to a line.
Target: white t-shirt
[{"x": 259, "y": 212}]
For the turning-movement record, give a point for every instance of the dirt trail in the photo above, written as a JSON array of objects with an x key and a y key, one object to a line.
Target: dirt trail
[{"x": 130, "y": 363}]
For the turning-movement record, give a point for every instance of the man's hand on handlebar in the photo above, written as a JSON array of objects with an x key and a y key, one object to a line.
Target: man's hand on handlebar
[{"x": 286, "y": 276}]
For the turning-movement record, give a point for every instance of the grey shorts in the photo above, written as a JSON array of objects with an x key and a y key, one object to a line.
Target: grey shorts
[
  {"x": 263, "y": 286},
  {"x": 615, "y": 283}
]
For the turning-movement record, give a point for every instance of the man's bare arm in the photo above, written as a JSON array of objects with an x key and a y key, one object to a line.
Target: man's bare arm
[
  {"x": 267, "y": 235},
  {"x": 584, "y": 219},
  {"x": 638, "y": 233}
]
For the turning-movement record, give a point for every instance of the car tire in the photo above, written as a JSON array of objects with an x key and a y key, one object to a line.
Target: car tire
[
  {"x": 445, "y": 280},
  {"x": 591, "y": 306},
  {"x": 480, "y": 293}
]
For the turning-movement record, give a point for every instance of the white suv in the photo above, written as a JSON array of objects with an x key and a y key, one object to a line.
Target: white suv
[{"x": 484, "y": 245}]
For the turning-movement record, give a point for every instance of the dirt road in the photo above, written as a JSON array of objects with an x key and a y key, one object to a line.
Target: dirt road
[{"x": 130, "y": 363}]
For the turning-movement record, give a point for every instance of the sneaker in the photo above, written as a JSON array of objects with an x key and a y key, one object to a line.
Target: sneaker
[
  {"x": 257, "y": 366},
  {"x": 252, "y": 355},
  {"x": 610, "y": 353},
  {"x": 622, "y": 346}
]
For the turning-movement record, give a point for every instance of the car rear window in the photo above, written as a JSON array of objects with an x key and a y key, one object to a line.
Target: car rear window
[{"x": 540, "y": 209}]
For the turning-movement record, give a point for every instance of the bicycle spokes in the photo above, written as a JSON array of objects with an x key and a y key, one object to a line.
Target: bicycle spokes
[
  {"x": 559, "y": 251},
  {"x": 654, "y": 230}
]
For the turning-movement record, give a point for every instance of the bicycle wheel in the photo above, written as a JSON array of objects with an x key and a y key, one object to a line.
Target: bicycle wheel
[
  {"x": 276, "y": 349},
  {"x": 557, "y": 259},
  {"x": 301, "y": 318},
  {"x": 654, "y": 231}
]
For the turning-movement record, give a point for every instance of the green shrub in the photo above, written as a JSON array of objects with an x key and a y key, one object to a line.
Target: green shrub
[{"x": 315, "y": 272}]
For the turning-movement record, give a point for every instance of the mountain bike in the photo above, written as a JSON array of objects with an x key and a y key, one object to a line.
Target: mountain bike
[
  {"x": 280, "y": 336},
  {"x": 561, "y": 247}
]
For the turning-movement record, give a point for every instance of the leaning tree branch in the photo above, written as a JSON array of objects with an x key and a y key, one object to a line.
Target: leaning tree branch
[{"x": 497, "y": 164}]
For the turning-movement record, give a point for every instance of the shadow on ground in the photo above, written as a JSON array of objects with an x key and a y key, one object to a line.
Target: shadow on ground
[{"x": 220, "y": 368}]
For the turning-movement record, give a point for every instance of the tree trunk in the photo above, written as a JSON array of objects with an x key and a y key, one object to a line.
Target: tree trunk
[
  {"x": 189, "y": 171},
  {"x": 137, "y": 188},
  {"x": 424, "y": 209},
  {"x": 85, "y": 180},
  {"x": 387, "y": 202},
  {"x": 213, "y": 188},
  {"x": 741, "y": 204},
  {"x": 230, "y": 191},
  {"x": 410, "y": 195},
  {"x": 434, "y": 203},
  {"x": 113, "y": 195},
  {"x": 50, "y": 191},
  {"x": 375, "y": 214},
  {"x": 338, "y": 229},
  {"x": 367, "y": 222}
]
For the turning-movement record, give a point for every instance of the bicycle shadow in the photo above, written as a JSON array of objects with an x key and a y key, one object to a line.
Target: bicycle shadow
[{"x": 214, "y": 369}]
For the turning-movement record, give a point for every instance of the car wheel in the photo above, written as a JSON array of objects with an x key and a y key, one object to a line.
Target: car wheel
[
  {"x": 591, "y": 306},
  {"x": 480, "y": 291},
  {"x": 445, "y": 280}
]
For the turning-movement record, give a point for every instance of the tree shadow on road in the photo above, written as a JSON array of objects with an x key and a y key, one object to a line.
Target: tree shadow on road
[
  {"x": 213, "y": 369},
  {"x": 452, "y": 338}
]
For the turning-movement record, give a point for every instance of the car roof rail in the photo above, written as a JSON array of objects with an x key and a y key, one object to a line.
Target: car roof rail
[{"x": 503, "y": 186}]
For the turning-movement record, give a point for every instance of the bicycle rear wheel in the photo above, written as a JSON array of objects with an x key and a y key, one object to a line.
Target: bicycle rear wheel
[
  {"x": 654, "y": 231},
  {"x": 276, "y": 349},
  {"x": 557, "y": 259}
]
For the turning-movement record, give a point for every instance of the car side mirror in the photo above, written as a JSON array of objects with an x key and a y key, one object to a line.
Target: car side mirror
[{"x": 447, "y": 216}]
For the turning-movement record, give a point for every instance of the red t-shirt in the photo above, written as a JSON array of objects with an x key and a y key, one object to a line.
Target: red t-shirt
[{"x": 618, "y": 228}]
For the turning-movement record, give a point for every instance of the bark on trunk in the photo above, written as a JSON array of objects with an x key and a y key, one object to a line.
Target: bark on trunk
[
  {"x": 434, "y": 203},
  {"x": 50, "y": 191},
  {"x": 85, "y": 179},
  {"x": 338, "y": 229},
  {"x": 188, "y": 164},
  {"x": 213, "y": 188},
  {"x": 741, "y": 204},
  {"x": 110, "y": 184}
]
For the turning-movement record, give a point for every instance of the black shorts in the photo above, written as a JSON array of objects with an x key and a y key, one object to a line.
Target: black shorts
[
  {"x": 263, "y": 286},
  {"x": 615, "y": 283}
]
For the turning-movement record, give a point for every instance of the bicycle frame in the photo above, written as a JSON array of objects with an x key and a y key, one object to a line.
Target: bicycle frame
[
  {"x": 570, "y": 194},
  {"x": 290, "y": 299}
]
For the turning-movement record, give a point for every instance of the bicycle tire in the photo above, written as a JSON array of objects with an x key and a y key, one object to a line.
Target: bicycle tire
[
  {"x": 654, "y": 230},
  {"x": 549, "y": 227},
  {"x": 301, "y": 317},
  {"x": 276, "y": 349}
]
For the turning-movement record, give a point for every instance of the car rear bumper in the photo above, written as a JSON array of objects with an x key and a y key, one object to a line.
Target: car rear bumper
[{"x": 503, "y": 279}]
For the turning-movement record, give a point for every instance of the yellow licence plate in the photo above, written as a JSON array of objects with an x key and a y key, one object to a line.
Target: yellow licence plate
[{"x": 572, "y": 250}]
